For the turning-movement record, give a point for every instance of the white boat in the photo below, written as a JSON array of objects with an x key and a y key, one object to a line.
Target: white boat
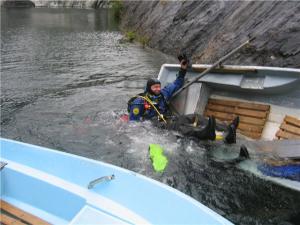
[
  {"x": 267, "y": 100},
  {"x": 61, "y": 188},
  {"x": 274, "y": 89}
]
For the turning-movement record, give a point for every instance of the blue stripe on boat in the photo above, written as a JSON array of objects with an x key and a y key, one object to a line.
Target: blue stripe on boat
[{"x": 291, "y": 172}]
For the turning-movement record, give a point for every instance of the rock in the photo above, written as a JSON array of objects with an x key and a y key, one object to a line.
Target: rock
[
  {"x": 209, "y": 29},
  {"x": 17, "y": 4},
  {"x": 57, "y": 3}
]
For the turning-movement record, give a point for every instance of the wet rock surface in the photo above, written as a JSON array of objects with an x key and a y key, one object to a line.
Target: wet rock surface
[
  {"x": 55, "y": 3},
  {"x": 17, "y": 3},
  {"x": 207, "y": 30}
]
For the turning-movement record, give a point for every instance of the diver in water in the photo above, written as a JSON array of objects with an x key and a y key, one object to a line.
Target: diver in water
[{"x": 152, "y": 105}]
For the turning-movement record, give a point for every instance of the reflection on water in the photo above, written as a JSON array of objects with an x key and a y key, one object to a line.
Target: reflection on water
[{"x": 66, "y": 77}]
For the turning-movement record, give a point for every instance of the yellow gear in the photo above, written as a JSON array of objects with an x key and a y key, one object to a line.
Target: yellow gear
[{"x": 136, "y": 111}]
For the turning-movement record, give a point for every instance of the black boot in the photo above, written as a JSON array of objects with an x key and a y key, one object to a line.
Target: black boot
[
  {"x": 244, "y": 152},
  {"x": 211, "y": 128},
  {"x": 231, "y": 134},
  {"x": 207, "y": 133},
  {"x": 235, "y": 122}
]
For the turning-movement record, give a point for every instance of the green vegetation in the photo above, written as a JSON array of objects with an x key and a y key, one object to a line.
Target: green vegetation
[
  {"x": 163, "y": 2},
  {"x": 144, "y": 40},
  {"x": 130, "y": 36},
  {"x": 117, "y": 6}
]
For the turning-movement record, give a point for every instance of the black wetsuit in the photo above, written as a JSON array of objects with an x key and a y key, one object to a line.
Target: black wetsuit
[{"x": 204, "y": 130}]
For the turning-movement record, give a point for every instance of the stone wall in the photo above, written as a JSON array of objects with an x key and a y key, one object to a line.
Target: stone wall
[
  {"x": 56, "y": 3},
  {"x": 209, "y": 29}
]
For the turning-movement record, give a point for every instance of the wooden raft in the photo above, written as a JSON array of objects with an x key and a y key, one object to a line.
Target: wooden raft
[
  {"x": 253, "y": 116},
  {"x": 289, "y": 129},
  {"x": 12, "y": 215}
]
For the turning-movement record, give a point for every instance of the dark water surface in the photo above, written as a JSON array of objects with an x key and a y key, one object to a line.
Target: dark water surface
[{"x": 66, "y": 76}]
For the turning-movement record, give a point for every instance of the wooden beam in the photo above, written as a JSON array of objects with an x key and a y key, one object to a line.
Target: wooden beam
[
  {"x": 229, "y": 117},
  {"x": 290, "y": 128},
  {"x": 252, "y": 113},
  {"x": 237, "y": 110},
  {"x": 246, "y": 105},
  {"x": 253, "y": 135},
  {"x": 253, "y": 116},
  {"x": 252, "y": 121},
  {"x": 7, "y": 220},
  {"x": 292, "y": 120},
  {"x": 250, "y": 128},
  {"x": 286, "y": 135},
  {"x": 219, "y": 115},
  {"x": 22, "y": 215}
]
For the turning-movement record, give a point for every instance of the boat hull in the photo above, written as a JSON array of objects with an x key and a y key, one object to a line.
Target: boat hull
[
  {"x": 244, "y": 79},
  {"x": 272, "y": 86}
]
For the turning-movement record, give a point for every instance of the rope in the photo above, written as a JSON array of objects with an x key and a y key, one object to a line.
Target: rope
[{"x": 150, "y": 102}]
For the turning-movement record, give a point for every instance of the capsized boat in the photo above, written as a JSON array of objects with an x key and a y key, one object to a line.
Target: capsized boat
[
  {"x": 267, "y": 100},
  {"x": 62, "y": 188},
  {"x": 263, "y": 97}
]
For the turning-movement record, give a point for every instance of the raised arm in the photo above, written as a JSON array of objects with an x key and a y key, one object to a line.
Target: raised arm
[{"x": 170, "y": 89}]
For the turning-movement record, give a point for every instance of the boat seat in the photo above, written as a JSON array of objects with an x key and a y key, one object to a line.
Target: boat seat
[
  {"x": 253, "y": 116},
  {"x": 12, "y": 215},
  {"x": 289, "y": 129}
]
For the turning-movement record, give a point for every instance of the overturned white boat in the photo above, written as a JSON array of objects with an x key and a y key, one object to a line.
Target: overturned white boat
[{"x": 266, "y": 99}]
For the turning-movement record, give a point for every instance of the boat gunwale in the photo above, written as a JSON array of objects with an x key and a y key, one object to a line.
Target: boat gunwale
[{"x": 238, "y": 67}]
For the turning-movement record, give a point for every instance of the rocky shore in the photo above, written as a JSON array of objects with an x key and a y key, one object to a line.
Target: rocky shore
[
  {"x": 56, "y": 3},
  {"x": 205, "y": 29},
  {"x": 209, "y": 29}
]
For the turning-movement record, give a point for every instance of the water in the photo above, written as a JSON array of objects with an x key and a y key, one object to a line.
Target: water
[{"x": 66, "y": 76}]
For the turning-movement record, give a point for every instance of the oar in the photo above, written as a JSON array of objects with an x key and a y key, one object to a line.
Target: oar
[{"x": 216, "y": 64}]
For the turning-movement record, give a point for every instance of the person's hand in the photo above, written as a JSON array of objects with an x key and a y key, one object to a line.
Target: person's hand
[{"x": 184, "y": 64}]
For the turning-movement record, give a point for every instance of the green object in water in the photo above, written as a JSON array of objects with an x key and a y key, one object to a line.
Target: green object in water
[{"x": 159, "y": 160}]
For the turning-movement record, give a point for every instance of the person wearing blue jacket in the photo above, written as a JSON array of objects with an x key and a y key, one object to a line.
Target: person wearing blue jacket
[
  {"x": 152, "y": 105},
  {"x": 145, "y": 105}
]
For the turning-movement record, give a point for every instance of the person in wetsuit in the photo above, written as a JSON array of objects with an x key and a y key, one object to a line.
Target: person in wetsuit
[{"x": 152, "y": 105}]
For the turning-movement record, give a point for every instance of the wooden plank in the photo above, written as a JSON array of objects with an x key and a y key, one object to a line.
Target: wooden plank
[
  {"x": 280, "y": 134},
  {"x": 246, "y": 105},
  {"x": 252, "y": 113},
  {"x": 286, "y": 135},
  {"x": 253, "y": 116},
  {"x": 220, "y": 108},
  {"x": 253, "y": 121},
  {"x": 253, "y": 135},
  {"x": 229, "y": 117},
  {"x": 292, "y": 120},
  {"x": 242, "y": 126},
  {"x": 7, "y": 220},
  {"x": 250, "y": 128},
  {"x": 26, "y": 217},
  {"x": 220, "y": 115},
  {"x": 238, "y": 111},
  {"x": 290, "y": 128}
]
